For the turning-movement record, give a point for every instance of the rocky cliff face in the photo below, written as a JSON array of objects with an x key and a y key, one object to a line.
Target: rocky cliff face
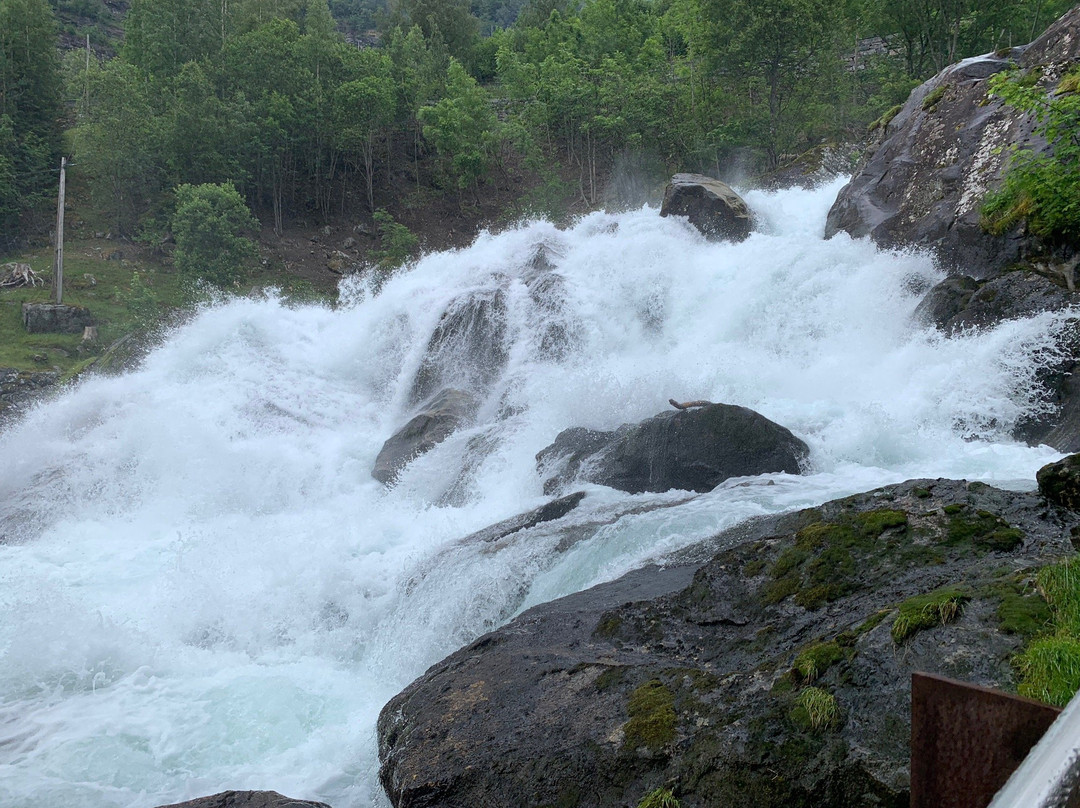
[
  {"x": 924, "y": 182},
  {"x": 771, "y": 670}
]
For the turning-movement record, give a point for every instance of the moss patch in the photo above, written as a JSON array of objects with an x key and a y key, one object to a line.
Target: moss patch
[
  {"x": 926, "y": 611},
  {"x": 981, "y": 528},
  {"x": 933, "y": 97},
  {"x": 652, "y": 717},
  {"x": 812, "y": 662}
]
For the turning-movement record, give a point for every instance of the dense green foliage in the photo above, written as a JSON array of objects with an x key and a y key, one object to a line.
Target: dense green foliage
[
  {"x": 539, "y": 99},
  {"x": 1042, "y": 190},
  {"x": 209, "y": 225},
  {"x": 29, "y": 110},
  {"x": 1049, "y": 667}
]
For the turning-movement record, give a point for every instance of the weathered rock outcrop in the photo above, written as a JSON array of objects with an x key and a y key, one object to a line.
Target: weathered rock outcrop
[
  {"x": 775, "y": 674},
  {"x": 710, "y": 205},
  {"x": 691, "y": 450},
  {"x": 247, "y": 799},
  {"x": 960, "y": 301},
  {"x": 444, "y": 414},
  {"x": 53, "y": 318},
  {"x": 925, "y": 183},
  {"x": 1060, "y": 482}
]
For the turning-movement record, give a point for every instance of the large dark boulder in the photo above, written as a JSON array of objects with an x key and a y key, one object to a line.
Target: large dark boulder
[
  {"x": 710, "y": 205},
  {"x": 1060, "y": 482},
  {"x": 440, "y": 417},
  {"x": 774, "y": 674},
  {"x": 247, "y": 799},
  {"x": 925, "y": 183},
  {"x": 691, "y": 450}
]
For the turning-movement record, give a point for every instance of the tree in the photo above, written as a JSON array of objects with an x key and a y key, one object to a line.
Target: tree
[
  {"x": 363, "y": 111},
  {"x": 463, "y": 128},
  {"x": 161, "y": 36},
  {"x": 209, "y": 225},
  {"x": 448, "y": 21},
  {"x": 118, "y": 144},
  {"x": 30, "y": 90}
]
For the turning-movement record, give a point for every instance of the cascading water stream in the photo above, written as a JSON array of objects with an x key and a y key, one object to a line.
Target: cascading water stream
[{"x": 203, "y": 588}]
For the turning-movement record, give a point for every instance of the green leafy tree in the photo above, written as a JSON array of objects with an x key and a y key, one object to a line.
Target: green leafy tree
[
  {"x": 209, "y": 226},
  {"x": 462, "y": 127},
  {"x": 30, "y": 91},
  {"x": 118, "y": 144},
  {"x": 396, "y": 242},
  {"x": 364, "y": 110},
  {"x": 161, "y": 36}
]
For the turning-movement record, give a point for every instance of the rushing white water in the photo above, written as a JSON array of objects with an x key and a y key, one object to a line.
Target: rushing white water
[{"x": 203, "y": 587}]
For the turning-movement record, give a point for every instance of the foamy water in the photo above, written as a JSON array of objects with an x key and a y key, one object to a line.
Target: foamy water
[{"x": 205, "y": 589}]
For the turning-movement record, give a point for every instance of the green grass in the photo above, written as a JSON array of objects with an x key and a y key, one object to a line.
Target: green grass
[
  {"x": 1060, "y": 585},
  {"x": 661, "y": 798},
  {"x": 120, "y": 294},
  {"x": 933, "y": 97},
  {"x": 1050, "y": 669},
  {"x": 815, "y": 708},
  {"x": 926, "y": 611}
]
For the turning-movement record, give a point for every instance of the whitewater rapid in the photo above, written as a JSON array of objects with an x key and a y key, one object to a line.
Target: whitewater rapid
[{"x": 203, "y": 588}]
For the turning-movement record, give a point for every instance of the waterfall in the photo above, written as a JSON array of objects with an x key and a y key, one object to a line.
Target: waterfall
[{"x": 202, "y": 587}]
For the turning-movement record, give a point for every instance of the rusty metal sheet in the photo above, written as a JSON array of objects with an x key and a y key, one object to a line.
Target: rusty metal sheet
[{"x": 966, "y": 740}]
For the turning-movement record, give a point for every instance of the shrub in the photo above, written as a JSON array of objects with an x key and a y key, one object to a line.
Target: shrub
[
  {"x": 208, "y": 225},
  {"x": 396, "y": 241},
  {"x": 1041, "y": 190}
]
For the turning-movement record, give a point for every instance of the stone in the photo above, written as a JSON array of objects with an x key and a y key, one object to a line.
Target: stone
[
  {"x": 1060, "y": 482},
  {"x": 711, "y": 206},
  {"x": 440, "y": 417},
  {"x": 246, "y": 799},
  {"x": 694, "y": 676},
  {"x": 960, "y": 301},
  {"x": 52, "y": 318},
  {"x": 692, "y": 450},
  {"x": 467, "y": 349},
  {"x": 925, "y": 184}
]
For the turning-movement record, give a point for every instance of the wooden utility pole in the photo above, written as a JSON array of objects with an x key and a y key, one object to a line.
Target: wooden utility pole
[{"x": 58, "y": 276}]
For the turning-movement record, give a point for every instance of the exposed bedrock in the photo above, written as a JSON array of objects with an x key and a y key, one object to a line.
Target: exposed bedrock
[
  {"x": 692, "y": 450},
  {"x": 924, "y": 181},
  {"x": 775, "y": 674},
  {"x": 710, "y": 205}
]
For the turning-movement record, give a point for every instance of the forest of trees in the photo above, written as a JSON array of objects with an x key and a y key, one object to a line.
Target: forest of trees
[{"x": 541, "y": 96}]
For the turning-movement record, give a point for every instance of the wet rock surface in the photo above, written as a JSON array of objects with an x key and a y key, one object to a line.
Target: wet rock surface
[
  {"x": 1060, "y": 482},
  {"x": 710, "y": 205},
  {"x": 961, "y": 301},
  {"x": 19, "y": 388},
  {"x": 925, "y": 184},
  {"x": 698, "y": 676},
  {"x": 246, "y": 799},
  {"x": 440, "y": 417},
  {"x": 692, "y": 450}
]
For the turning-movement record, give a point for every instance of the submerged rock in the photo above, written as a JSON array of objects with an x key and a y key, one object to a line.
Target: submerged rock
[
  {"x": 692, "y": 450},
  {"x": 247, "y": 799},
  {"x": 925, "y": 184},
  {"x": 710, "y": 205},
  {"x": 776, "y": 673},
  {"x": 467, "y": 350},
  {"x": 443, "y": 415}
]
